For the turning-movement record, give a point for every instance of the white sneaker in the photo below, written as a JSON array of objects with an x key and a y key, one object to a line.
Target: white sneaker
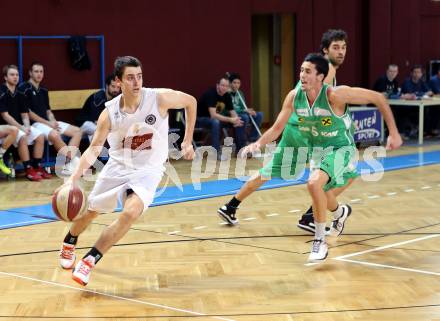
[
  {"x": 70, "y": 167},
  {"x": 338, "y": 225},
  {"x": 81, "y": 273},
  {"x": 319, "y": 251},
  {"x": 67, "y": 256}
]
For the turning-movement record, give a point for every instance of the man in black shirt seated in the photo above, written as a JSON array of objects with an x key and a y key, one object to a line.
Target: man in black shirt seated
[
  {"x": 14, "y": 111},
  {"x": 43, "y": 118},
  {"x": 95, "y": 104},
  {"x": 211, "y": 114},
  {"x": 387, "y": 84}
]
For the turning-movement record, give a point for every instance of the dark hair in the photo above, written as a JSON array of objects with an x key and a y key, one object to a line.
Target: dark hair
[
  {"x": 125, "y": 61},
  {"x": 233, "y": 76},
  {"x": 417, "y": 67},
  {"x": 35, "y": 63},
  {"x": 6, "y": 69},
  {"x": 321, "y": 64},
  {"x": 332, "y": 35},
  {"x": 225, "y": 77},
  {"x": 109, "y": 79}
]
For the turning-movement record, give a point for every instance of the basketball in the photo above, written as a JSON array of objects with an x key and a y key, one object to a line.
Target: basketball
[{"x": 69, "y": 203}]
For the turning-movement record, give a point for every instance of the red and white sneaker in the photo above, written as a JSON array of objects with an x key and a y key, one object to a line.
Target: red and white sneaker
[
  {"x": 33, "y": 175},
  {"x": 42, "y": 172},
  {"x": 67, "y": 256},
  {"x": 81, "y": 273}
]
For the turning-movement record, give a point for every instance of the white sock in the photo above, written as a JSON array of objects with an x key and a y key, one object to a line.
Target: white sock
[
  {"x": 320, "y": 231},
  {"x": 2, "y": 152},
  {"x": 337, "y": 212}
]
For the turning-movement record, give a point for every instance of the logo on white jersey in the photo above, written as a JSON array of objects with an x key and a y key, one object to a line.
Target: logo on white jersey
[{"x": 150, "y": 119}]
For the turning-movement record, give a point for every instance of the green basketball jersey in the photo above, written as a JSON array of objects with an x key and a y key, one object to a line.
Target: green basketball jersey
[
  {"x": 293, "y": 120},
  {"x": 319, "y": 124}
]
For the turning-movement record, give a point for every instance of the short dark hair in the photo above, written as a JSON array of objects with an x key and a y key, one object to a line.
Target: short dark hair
[
  {"x": 6, "y": 69},
  {"x": 332, "y": 35},
  {"x": 233, "y": 76},
  {"x": 125, "y": 61},
  {"x": 35, "y": 63},
  {"x": 321, "y": 64},
  {"x": 225, "y": 77},
  {"x": 417, "y": 67},
  {"x": 109, "y": 79}
]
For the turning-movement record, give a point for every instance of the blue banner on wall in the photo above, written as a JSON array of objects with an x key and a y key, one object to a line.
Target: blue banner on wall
[{"x": 368, "y": 124}]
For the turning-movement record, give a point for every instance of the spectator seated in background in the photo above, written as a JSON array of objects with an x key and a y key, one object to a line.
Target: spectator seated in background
[
  {"x": 241, "y": 109},
  {"x": 210, "y": 115},
  {"x": 14, "y": 111},
  {"x": 434, "y": 83},
  {"x": 414, "y": 86},
  {"x": 95, "y": 104},
  {"x": 387, "y": 84},
  {"x": 434, "y": 112},
  {"x": 44, "y": 120}
]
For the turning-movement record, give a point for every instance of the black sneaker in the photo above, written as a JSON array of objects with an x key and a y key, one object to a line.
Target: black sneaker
[
  {"x": 307, "y": 223},
  {"x": 227, "y": 213},
  {"x": 339, "y": 224}
]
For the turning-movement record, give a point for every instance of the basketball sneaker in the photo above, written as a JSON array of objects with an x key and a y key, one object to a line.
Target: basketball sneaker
[
  {"x": 319, "y": 251},
  {"x": 33, "y": 175},
  {"x": 307, "y": 222},
  {"x": 67, "y": 256},
  {"x": 81, "y": 273},
  {"x": 4, "y": 168},
  {"x": 40, "y": 170},
  {"x": 227, "y": 214},
  {"x": 339, "y": 223}
]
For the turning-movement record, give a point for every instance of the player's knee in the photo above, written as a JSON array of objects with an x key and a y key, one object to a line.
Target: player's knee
[
  {"x": 314, "y": 186},
  {"x": 131, "y": 214},
  {"x": 77, "y": 131},
  {"x": 54, "y": 136},
  {"x": 11, "y": 130}
]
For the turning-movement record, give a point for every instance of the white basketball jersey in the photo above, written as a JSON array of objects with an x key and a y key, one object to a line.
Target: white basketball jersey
[{"x": 138, "y": 141}]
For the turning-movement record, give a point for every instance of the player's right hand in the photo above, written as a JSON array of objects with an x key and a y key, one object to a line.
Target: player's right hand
[
  {"x": 250, "y": 149},
  {"x": 187, "y": 150}
]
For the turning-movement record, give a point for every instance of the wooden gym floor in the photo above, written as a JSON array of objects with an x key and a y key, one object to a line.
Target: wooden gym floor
[{"x": 178, "y": 262}]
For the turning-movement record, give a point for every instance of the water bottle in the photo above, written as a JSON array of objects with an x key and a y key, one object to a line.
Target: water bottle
[{"x": 11, "y": 164}]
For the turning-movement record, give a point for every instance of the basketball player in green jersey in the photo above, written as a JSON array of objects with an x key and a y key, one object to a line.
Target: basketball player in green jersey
[
  {"x": 334, "y": 46},
  {"x": 326, "y": 125}
]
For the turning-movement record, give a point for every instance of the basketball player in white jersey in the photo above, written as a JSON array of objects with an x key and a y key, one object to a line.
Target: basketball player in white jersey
[{"x": 135, "y": 124}]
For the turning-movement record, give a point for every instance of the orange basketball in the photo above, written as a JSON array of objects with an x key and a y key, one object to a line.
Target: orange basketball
[{"x": 69, "y": 203}]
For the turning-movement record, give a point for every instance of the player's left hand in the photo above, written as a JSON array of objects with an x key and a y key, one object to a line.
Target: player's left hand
[
  {"x": 394, "y": 142},
  {"x": 187, "y": 150}
]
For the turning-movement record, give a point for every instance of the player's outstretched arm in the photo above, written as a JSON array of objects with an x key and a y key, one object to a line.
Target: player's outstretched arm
[
  {"x": 277, "y": 128},
  {"x": 358, "y": 96},
  {"x": 173, "y": 99}
]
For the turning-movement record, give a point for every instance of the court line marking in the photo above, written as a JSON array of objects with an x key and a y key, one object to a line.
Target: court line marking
[
  {"x": 112, "y": 296},
  {"x": 19, "y": 224},
  {"x": 387, "y": 246},
  {"x": 389, "y": 266},
  {"x": 344, "y": 257}
]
